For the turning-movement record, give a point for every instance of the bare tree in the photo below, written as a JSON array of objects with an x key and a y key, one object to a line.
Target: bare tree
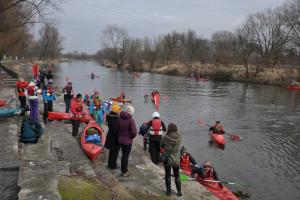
[
  {"x": 115, "y": 38},
  {"x": 169, "y": 45}
]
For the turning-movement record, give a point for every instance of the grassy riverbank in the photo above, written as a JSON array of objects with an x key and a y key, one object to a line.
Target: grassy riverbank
[{"x": 268, "y": 76}]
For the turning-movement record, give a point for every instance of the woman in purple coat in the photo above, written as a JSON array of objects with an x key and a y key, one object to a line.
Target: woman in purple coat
[{"x": 127, "y": 132}]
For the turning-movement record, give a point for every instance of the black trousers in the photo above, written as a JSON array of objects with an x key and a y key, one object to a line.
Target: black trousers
[
  {"x": 22, "y": 100},
  {"x": 126, "y": 149},
  {"x": 168, "y": 171},
  {"x": 68, "y": 103},
  {"x": 154, "y": 149},
  {"x": 75, "y": 126},
  {"x": 113, "y": 156},
  {"x": 48, "y": 107}
]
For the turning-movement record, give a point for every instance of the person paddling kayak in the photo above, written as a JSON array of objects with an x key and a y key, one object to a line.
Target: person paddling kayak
[
  {"x": 217, "y": 128},
  {"x": 205, "y": 170},
  {"x": 186, "y": 159}
]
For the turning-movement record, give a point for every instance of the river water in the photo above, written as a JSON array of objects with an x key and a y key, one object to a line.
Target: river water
[{"x": 266, "y": 117}]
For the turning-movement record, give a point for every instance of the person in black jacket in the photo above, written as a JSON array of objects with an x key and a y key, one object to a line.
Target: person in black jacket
[
  {"x": 68, "y": 95},
  {"x": 112, "y": 136}
]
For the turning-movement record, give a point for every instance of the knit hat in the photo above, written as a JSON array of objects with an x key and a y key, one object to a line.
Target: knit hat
[
  {"x": 130, "y": 109},
  {"x": 116, "y": 108},
  {"x": 183, "y": 150},
  {"x": 155, "y": 114},
  {"x": 78, "y": 95}
]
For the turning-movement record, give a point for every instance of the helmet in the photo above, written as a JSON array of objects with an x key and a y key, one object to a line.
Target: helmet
[{"x": 155, "y": 114}]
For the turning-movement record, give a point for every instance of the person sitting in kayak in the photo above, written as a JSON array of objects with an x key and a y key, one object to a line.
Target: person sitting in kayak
[
  {"x": 217, "y": 128},
  {"x": 121, "y": 97},
  {"x": 156, "y": 129},
  {"x": 205, "y": 171},
  {"x": 186, "y": 160}
]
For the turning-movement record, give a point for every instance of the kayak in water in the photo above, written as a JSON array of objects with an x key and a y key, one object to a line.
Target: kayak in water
[
  {"x": 92, "y": 140},
  {"x": 93, "y": 75},
  {"x": 293, "y": 87},
  {"x": 218, "y": 139},
  {"x": 117, "y": 99},
  {"x": 156, "y": 99}
]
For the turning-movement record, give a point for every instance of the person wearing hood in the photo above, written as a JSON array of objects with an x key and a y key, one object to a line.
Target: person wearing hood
[
  {"x": 68, "y": 95},
  {"x": 127, "y": 132},
  {"x": 156, "y": 128},
  {"x": 32, "y": 92},
  {"x": 111, "y": 142},
  {"x": 76, "y": 113},
  {"x": 21, "y": 87},
  {"x": 171, "y": 157},
  {"x": 48, "y": 98}
]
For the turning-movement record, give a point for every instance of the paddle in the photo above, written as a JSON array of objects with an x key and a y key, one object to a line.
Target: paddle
[
  {"x": 232, "y": 136},
  {"x": 184, "y": 177}
]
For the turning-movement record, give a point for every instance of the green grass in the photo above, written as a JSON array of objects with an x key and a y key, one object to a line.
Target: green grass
[{"x": 71, "y": 188}]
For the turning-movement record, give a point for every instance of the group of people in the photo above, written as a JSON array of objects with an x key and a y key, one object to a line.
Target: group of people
[{"x": 41, "y": 84}]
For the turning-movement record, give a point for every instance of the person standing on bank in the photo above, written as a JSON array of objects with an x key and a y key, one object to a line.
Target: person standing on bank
[
  {"x": 76, "y": 113},
  {"x": 171, "y": 157},
  {"x": 32, "y": 92},
  {"x": 21, "y": 88},
  {"x": 48, "y": 98},
  {"x": 156, "y": 128},
  {"x": 127, "y": 132},
  {"x": 112, "y": 138},
  {"x": 68, "y": 95}
]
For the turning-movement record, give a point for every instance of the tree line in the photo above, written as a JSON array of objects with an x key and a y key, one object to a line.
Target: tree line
[
  {"x": 265, "y": 39},
  {"x": 18, "y": 17}
]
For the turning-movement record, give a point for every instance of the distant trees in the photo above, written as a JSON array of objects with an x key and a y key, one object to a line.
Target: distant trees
[{"x": 17, "y": 18}]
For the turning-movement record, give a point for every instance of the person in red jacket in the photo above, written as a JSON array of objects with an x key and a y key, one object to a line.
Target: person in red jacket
[
  {"x": 21, "y": 87},
  {"x": 76, "y": 113}
]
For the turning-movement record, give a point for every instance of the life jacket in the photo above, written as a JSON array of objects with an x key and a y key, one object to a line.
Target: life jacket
[
  {"x": 156, "y": 128},
  {"x": 79, "y": 107},
  {"x": 97, "y": 102},
  {"x": 49, "y": 91},
  {"x": 31, "y": 91},
  {"x": 218, "y": 129},
  {"x": 185, "y": 162},
  {"x": 21, "y": 87}
]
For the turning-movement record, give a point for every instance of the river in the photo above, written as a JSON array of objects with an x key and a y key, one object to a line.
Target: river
[{"x": 266, "y": 117}]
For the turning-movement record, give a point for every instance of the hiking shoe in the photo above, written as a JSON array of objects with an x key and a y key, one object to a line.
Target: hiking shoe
[{"x": 127, "y": 174}]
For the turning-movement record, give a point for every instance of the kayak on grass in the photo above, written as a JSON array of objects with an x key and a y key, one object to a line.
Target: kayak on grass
[
  {"x": 92, "y": 140},
  {"x": 66, "y": 116},
  {"x": 2, "y": 102},
  {"x": 9, "y": 112},
  {"x": 218, "y": 138},
  {"x": 218, "y": 189},
  {"x": 293, "y": 87}
]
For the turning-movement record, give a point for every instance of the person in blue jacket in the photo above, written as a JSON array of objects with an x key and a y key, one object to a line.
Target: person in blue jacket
[
  {"x": 48, "y": 98},
  {"x": 96, "y": 108}
]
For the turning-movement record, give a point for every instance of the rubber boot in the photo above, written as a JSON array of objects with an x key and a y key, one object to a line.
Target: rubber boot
[
  {"x": 178, "y": 186},
  {"x": 168, "y": 185}
]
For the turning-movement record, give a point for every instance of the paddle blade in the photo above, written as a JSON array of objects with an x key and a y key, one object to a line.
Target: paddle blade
[
  {"x": 184, "y": 177},
  {"x": 235, "y": 137}
]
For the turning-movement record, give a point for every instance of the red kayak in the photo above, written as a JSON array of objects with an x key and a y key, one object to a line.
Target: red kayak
[
  {"x": 66, "y": 116},
  {"x": 120, "y": 100},
  {"x": 218, "y": 139},
  {"x": 2, "y": 102},
  {"x": 219, "y": 190},
  {"x": 293, "y": 87},
  {"x": 156, "y": 100},
  {"x": 92, "y": 150}
]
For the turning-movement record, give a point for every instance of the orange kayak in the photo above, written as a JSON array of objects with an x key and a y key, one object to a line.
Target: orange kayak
[
  {"x": 293, "y": 87},
  {"x": 218, "y": 189},
  {"x": 120, "y": 100},
  {"x": 66, "y": 116},
  {"x": 91, "y": 149},
  {"x": 156, "y": 100},
  {"x": 218, "y": 139},
  {"x": 2, "y": 102}
]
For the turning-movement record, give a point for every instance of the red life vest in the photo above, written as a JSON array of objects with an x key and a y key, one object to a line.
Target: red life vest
[
  {"x": 31, "y": 90},
  {"x": 21, "y": 87},
  {"x": 218, "y": 129},
  {"x": 185, "y": 162},
  {"x": 79, "y": 107},
  {"x": 156, "y": 126},
  {"x": 97, "y": 102}
]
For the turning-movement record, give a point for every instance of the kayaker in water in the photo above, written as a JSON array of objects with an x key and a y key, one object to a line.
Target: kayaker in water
[
  {"x": 156, "y": 129},
  {"x": 96, "y": 108},
  {"x": 76, "y": 113},
  {"x": 68, "y": 95},
  {"x": 217, "y": 128},
  {"x": 206, "y": 171},
  {"x": 111, "y": 142},
  {"x": 21, "y": 88},
  {"x": 127, "y": 132},
  {"x": 186, "y": 160},
  {"x": 48, "y": 98},
  {"x": 171, "y": 158},
  {"x": 122, "y": 96}
]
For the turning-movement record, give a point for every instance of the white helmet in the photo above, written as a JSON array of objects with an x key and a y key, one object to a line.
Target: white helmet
[{"x": 155, "y": 114}]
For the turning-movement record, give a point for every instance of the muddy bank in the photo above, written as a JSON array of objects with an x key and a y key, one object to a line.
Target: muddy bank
[{"x": 267, "y": 76}]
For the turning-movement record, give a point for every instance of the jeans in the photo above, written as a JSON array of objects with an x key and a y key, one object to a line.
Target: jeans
[
  {"x": 126, "y": 149},
  {"x": 75, "y": 126}
]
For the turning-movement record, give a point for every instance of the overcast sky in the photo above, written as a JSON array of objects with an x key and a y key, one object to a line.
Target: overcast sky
[{"x": 81, "y": 22}]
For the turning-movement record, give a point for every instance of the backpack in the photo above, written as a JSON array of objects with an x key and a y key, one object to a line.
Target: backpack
[{"x": 30, "y": 132}]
